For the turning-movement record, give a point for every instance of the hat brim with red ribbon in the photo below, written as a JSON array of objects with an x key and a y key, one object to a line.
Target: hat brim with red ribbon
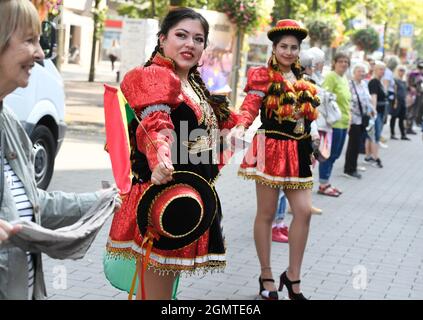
[
  {"x": 179, "y": 212},
  {"x": 287, "y": 27}
]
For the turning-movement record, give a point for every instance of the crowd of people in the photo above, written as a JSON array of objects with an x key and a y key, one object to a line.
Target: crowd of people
[{"x": 357, "y": 100}]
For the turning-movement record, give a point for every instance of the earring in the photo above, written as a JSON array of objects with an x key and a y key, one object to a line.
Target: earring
[
  {"x": 298, "y": 64},
  {"x": 274, "y": 62}
]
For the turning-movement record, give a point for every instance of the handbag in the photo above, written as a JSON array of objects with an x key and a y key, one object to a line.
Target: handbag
[
  {"x": 322, "y": 153},
  {"x": 332, "y": 108},
  {"x": 365, "y": 118}
]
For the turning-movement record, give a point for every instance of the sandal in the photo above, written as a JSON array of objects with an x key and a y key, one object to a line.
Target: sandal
[
  {"x": 337, "y": 190},
  {"x": 328, "y": 191}
]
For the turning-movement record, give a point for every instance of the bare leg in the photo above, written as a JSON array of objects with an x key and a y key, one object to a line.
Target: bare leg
[
  {"x": 267, "y": 199},
  {"x": 374, "y": 147},
  {"x": 368, "y": 147},
  {"x": 300, "y": 201},
  {"x": 157, "y": 287}
]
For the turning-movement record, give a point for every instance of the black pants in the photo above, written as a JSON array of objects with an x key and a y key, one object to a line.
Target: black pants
[
  {"x": 354, "y": 141},
  {"x": 400, "y": 114}
]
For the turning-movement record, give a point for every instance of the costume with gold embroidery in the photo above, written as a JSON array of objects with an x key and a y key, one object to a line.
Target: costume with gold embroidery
[
  {"x": 178, "y": 127},
  {"x": 280, "y": 152}
]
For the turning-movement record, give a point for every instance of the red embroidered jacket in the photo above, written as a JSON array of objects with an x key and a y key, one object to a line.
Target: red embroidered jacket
[{"x": 153, "y": 92}]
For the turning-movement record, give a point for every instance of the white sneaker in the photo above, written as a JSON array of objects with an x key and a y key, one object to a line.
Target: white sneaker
[
  {"x": 383, "y": 145},
  {"x": 361, "y": 168}
]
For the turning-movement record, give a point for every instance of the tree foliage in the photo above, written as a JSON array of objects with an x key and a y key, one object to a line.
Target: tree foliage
[
  {"x": 391, "y": 12},
  {"x": 321, "y": 30}
]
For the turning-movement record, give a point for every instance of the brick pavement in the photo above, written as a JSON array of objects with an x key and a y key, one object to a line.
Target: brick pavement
[{"x": 366, "y": 245}]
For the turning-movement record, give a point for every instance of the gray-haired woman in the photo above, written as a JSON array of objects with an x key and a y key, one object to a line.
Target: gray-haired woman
[
  {"x": 361, "y": 108},
  {"x": 21, "y": 274}
]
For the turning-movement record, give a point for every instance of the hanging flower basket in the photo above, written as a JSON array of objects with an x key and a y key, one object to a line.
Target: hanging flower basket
[
  {"x": 243, "y": 13},
  {"x": 321, "y": 31},
  {"x": 366, "y": 39}
]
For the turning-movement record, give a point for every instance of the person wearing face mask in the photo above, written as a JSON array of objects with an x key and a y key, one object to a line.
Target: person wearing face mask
[
  {"x": 280, "y": 154},
  {"x": 21, "y": 272},
  {"x": 168, "y": 96}
]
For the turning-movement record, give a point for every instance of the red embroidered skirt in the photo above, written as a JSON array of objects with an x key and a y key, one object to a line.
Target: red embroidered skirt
[
  {"x": 279, "y": 163},
  {"x": 206, "y": 253}
]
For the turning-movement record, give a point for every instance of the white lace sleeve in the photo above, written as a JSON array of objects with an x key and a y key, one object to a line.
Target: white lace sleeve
[
  {"x": 154, "y": 108},
  {"x": 261, "y": 94}
]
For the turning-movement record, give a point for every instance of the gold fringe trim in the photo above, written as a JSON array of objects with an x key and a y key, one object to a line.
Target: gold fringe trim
[
  {"x": 304, "y": 136},
  {"x": 199, "y": 269},
  {"x": 165, "y": 269},
  {"x": 290, "y": 185},
  {"x": 121, "y": 253}
]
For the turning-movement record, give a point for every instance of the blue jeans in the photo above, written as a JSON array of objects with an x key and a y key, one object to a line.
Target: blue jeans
[
  {"x": 280, "y": 210},
  {"x": 378, "y": 126},
  {"x": 338, "y": 141}
]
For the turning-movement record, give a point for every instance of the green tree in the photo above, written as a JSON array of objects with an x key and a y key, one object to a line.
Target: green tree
[
  {"x": 139, "y": 9},
  {"x": 99, "y": 16}
]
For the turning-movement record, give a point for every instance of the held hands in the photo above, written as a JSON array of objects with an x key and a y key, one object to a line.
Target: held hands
[
  {"x": 6, "y": 230},
  {"x": 118, "y": 203},
  {"x": 162, "y": 173},
  {"x": 106, "y": 186}
]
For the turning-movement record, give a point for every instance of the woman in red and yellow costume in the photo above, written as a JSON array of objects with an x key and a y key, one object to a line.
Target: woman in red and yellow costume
[
  {"x": 166, "y": 94},
  {"x": 280, "y": 153}
]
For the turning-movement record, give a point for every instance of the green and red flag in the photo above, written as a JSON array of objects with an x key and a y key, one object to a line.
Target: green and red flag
[{"x": 118, "y": 115}]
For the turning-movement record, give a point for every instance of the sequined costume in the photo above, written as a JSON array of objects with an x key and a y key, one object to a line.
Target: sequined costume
[
  {"x": 279, "y": 155},
  {"x": 157, "y": 97}
]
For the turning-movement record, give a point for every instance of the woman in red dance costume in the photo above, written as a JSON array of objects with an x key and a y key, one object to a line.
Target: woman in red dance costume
[
  {"x": 166, "y": 94},
  {"x": 280, "y": 154}
]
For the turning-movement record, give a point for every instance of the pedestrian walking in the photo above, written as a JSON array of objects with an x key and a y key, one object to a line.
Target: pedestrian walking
[{"x": 114, "y": 53}]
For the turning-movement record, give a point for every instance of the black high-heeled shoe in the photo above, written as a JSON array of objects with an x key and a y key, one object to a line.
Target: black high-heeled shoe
[
  {"x": 266, "y": 294},
  {"x": 288, "y": 284}
]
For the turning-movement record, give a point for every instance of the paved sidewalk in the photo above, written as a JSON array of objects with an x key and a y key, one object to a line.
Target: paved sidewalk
[
  {"x": 84, "y": 100},
  {"x": 367, "y": 244}
]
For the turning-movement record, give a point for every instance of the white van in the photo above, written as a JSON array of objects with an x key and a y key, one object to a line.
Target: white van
[{"x": 41, "y": 109}]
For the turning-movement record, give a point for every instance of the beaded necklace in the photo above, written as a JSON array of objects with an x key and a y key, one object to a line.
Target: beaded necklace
[{"x": 196, "y": 94}]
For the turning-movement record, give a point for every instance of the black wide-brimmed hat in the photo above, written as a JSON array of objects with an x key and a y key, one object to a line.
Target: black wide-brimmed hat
[
  {"x": 178, "y": 212},
  {"x": 285, "y": 27}
]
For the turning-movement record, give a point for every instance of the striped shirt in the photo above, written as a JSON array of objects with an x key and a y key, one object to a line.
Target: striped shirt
[{"x": 25, "y": 213}]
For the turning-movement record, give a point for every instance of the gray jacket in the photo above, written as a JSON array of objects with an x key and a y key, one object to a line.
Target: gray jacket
[{"x": 52, "y": 210}]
